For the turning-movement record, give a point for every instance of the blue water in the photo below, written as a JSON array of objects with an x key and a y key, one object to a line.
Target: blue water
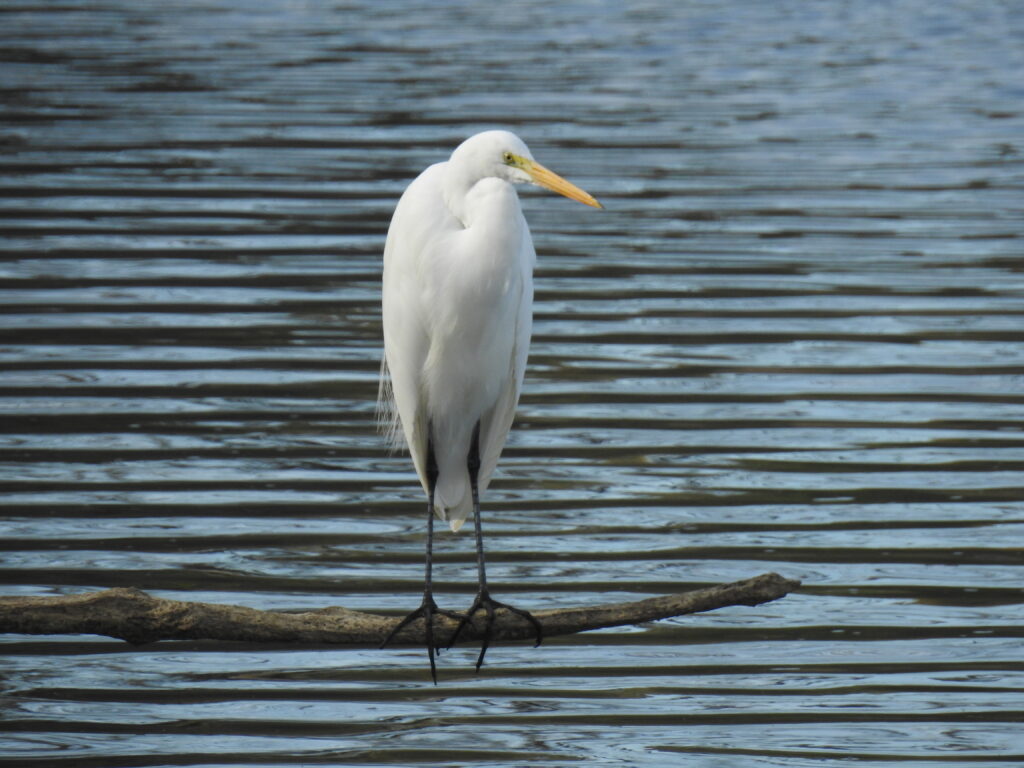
[{"x": 792, "y": 342}]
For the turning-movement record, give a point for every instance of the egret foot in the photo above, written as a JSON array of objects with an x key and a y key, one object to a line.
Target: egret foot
[
  {"x": 485, "y": 602},
  {"x": 427, "y": 610}
]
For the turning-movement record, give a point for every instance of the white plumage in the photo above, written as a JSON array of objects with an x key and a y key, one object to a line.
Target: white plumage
[
  {"x": 458, "y": 295},
  {"x": 458, "y": 292}
]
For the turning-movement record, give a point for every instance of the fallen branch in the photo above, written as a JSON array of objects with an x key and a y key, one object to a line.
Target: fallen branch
[{"x": 134, "y": 616}]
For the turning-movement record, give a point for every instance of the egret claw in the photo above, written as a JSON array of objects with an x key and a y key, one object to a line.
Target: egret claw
[
  {"x": 427, "y": 610},
  {"x": 485, "y": 602}
]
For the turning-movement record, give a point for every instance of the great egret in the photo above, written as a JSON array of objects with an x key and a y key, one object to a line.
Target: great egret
[{"x": 457, "y": 301}]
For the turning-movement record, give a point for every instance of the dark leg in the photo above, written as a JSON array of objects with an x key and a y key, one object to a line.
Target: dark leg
[
  {"x": 483, "y": 600},
  {"x": 428, "y": 608}
]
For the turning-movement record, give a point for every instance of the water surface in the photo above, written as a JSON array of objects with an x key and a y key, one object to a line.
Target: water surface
[{"x": 794, "y": 341}]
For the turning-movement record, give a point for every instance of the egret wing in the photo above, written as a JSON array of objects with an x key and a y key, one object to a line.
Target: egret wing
[
  {"x": 420, "y": 219},
  {"x": 497, "y": 422}
]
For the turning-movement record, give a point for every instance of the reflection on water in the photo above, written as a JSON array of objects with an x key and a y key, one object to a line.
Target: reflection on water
[{"x": 792, "y": 342}]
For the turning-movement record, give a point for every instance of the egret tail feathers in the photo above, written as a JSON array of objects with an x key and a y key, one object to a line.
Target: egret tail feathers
[
  {"x": 389, "y": 423},
  {"x": 453, "y": 502}
]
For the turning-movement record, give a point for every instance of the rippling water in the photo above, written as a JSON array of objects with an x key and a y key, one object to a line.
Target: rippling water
[{"x": 792, "y": 342}]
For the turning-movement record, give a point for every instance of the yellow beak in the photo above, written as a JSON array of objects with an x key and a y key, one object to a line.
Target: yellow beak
[{"x": 551, "y": 180}]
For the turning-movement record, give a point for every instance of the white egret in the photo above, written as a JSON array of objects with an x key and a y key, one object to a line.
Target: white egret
[{"x": 457, "y": 307}]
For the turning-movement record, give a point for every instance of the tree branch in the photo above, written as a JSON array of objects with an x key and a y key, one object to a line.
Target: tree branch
[{"x": 134, "y": 616}]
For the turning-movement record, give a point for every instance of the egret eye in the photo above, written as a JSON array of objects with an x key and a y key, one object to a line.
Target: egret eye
[{"x": 508, "y": 158}]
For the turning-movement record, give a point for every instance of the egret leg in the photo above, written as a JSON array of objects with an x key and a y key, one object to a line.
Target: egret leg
[
  {"x": 428, "y": 608},
  {"x": 483, "y": 600}
]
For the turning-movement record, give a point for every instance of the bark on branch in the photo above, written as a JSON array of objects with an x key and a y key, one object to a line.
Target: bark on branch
[{"x": 134, "y": 616}]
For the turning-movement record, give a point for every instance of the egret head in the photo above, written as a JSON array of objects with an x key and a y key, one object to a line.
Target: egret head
[{"x": 506, "y": 156}]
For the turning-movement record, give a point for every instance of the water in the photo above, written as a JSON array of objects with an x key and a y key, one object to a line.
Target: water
[{"x": 792, "y": 342}]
